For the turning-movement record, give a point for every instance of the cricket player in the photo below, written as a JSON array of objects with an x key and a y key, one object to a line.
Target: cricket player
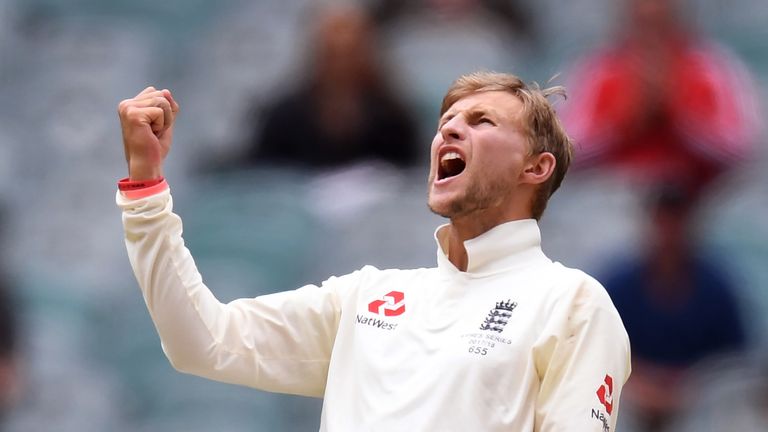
[{"x": 495, "y": 337}]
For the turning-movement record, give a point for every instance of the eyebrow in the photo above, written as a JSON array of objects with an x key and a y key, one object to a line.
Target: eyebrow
[{"x": 474, "y": 112}]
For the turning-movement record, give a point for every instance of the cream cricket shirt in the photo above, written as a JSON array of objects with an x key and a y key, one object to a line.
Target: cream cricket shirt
[{"x": 516, "y": 343}]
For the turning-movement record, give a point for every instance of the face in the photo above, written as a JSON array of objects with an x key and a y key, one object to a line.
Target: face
[
  {"x": 343, "y": 46},
  {"x": 652, "y": 15},
  {"x": 478, "y": 155}
]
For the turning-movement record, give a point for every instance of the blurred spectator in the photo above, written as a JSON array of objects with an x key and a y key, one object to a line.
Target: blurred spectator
[
  {"x": 9, "y": 380},
  {"x": 661, "y": 100},
  {"x": 344, "y": 111},
  {"x": 516, "y": 16},
  {"x": 8, "y": 365},
  {"x": 678, "y": 308}
]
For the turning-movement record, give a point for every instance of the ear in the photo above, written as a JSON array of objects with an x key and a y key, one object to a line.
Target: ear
[{"x": 538, "y": 168}]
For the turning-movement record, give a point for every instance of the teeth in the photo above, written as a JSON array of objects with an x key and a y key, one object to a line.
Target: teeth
[{"x": 450, "y": 156}]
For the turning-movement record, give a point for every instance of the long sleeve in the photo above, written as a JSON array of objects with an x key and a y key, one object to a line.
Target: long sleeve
[
  {"x": 583, "y": 360},
  {"x": 280, "y": 342}
]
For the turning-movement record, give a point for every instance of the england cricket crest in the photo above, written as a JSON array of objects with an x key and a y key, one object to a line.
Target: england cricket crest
[{"x": 499, "y": 316}]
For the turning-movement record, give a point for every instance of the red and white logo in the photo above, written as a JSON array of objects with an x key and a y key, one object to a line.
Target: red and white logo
[
  {"x": 392, "y": 304},
  {"x": 605, "y": 394}
]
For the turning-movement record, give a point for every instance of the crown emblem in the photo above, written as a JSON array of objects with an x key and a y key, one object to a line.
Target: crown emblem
[
  {"x": 508, "y": 305},
  {"x": 499, "y": 316}
]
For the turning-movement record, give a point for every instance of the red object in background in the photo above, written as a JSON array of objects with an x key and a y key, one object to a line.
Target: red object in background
[{"x": 684, "y": 110}]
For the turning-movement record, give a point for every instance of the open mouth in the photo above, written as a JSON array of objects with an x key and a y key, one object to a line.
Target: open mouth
[{"x": 451, "y": 165}]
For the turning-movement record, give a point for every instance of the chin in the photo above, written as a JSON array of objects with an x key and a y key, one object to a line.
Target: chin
[
  {"x": 447, "y": 207},
  {"x": 440, "y": 207}
]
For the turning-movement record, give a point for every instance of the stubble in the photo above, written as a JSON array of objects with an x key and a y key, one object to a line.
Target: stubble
[{"x": 478, "y": 196}]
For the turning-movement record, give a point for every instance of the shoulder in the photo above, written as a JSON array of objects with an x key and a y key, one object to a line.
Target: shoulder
[
  {"x": 583, "y": 306},
  {"x": 370, "y": 275},
  {"x": 623, "y": 271},
  {"x": 714, "y": 281},
  {"x": 577, "y": 291},
  {"x": 713, "y": 52},
  {"x": 708, "y": 267},
  {"x": 573, "y": 277},
  {"x": 582, "y": 318},
  {"x": 287, "y": 105}
]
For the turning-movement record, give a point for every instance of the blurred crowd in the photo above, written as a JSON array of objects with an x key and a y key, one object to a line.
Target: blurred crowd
[{"x": 310, "y": 123}]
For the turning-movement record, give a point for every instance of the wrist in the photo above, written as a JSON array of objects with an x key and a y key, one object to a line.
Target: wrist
[{"x": 138, "y": 171}]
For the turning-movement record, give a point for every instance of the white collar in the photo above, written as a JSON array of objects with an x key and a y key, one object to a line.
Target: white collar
[{"x": 501, "y": 248}]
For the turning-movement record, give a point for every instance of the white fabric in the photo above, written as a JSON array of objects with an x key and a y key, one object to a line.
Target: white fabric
[{"x": 429, "y": 368}]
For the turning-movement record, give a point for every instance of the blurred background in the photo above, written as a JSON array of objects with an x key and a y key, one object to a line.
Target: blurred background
[{"x": 301, "y": 151}]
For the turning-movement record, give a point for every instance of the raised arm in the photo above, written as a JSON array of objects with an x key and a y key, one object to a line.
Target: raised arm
[{"x": 280, "y": 342}]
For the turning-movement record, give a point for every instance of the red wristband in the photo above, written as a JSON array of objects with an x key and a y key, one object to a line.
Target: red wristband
[
  {"x": 141, "y": 189},
  {"x": 127, "y": 185}
]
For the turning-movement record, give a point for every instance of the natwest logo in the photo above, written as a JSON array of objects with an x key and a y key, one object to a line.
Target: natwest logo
[
  {"x": 605, "y": 394},
  {"x": 392, "y": 304}
]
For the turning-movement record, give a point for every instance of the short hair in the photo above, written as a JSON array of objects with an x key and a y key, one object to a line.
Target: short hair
[{"x": 543, "y": 129}]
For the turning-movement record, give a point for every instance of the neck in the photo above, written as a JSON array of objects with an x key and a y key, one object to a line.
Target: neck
[{"x": 457, "y": 253}]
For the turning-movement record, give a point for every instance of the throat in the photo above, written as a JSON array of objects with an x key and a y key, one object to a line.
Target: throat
[{"x": 455, "y": 250}]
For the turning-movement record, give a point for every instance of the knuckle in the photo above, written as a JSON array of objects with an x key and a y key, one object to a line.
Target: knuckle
[
  {"x": 123, "y": 106},
  {"x": 162, "y": 102},
  {"x": 133, "y": 114}
]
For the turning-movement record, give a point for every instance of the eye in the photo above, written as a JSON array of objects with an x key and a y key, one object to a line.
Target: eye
[{"x": 486, "y": 120}]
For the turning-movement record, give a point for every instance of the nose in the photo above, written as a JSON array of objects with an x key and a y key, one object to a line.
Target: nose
[{"x": 453, "y": 129}]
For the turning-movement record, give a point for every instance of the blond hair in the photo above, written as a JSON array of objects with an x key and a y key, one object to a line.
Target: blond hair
[{"x": 543, "y": 129}]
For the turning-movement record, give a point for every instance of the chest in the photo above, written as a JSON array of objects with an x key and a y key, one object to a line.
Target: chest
[{"x": 410, "y": 327}]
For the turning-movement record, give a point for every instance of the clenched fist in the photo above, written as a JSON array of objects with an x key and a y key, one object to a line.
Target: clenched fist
[{"x": 147, "y": 124}]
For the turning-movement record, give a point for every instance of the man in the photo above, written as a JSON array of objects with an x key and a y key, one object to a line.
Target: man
[
  {"x": 660, "y": 100},
  {"x": 496, "y": 337},
  {"x": 679, "y": 306},
  {"x": 343, "y": 111}
]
